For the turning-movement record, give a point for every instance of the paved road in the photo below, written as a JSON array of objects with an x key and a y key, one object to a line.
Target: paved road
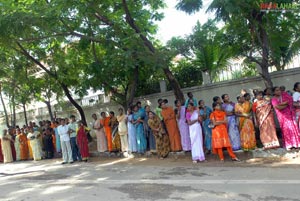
[{"x": 151, "y": 179}]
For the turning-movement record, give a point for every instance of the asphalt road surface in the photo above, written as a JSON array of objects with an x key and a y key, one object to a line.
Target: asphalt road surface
[{"x": 151, "y": 179}]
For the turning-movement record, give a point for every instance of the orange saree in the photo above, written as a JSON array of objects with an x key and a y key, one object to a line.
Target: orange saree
[
  {"x": 172, "y": 128},
  {"x": 247, "y": 131},
  {"x": 108, "y": 133},
  {"x": 24, "y": 149}
]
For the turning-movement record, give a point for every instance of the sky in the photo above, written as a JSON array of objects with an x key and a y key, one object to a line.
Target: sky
[{"x": 178, "y": 23}]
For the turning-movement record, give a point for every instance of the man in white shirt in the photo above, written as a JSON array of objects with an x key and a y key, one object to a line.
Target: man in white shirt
[
  {"x": 63, "y": 132},
  {"x": 73, "y": 126}
]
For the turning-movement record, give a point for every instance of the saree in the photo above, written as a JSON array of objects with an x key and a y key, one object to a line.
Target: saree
[
  {"x": 100, "y": 135},
  {"x": 108, "y": 133},
  {"x": 140, "y": 136},
  {"x": 132, "y": 146},
  {"x": 196, "y": 137},
  {"x": 184, "y": 130},
  {"x": 149, "y": 135},
  {"x": 6, "y": 149},
  {"x": 220, "y": 137},
  {"x": 1, "y": 155},
  {"x": 82, "y": 142},
  {"x": 207, "y": 131},
  {"x": 57, "y": 141},
  {"x": 123, "y": 131},
  {"x": 23, "y": 147},
  {"x": 17, "y": 147},
  {"x": 265, "y": 120},
  {"x": 35, "y": 145},
  {"x": 287, "y": 122},
  {"x": 116, "y": 140},
  {"x": 170, "y": 121},
  {"x": 246, "y": 126},
  {"x": 296, "y": 98},
  {"x": 232, "y": 127},
  {"x": 161, "y": 137}
]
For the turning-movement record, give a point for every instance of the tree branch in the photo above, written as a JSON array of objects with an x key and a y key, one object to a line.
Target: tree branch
[
  {"x": 137, "y": 30},
  {"x": 44, "y": 37},
  {"x": 27, "y": 54},
  {"x": 104, "y": 19}
]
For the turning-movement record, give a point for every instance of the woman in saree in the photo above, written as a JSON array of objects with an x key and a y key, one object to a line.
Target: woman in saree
[
  {"x": 23, "y": 146},
  {"x": 283, "y": 105},
  {"x": 296, "y": 99},
  {"x": 6, "y": 139},
  {"x": 205, "y": 112},
  {"x": 193, "y": 118},
  {"x": 139, "y": 130},
  {"x": 57, "y": 137},
  {"x": 82, "y": 141},
  {"x": 232, "y": 127},
  {"x": 17, "y": 144},
  {"x": 123, "y": 130},
  {"x": 108, "y": 131},
  {"x": 220, "y": 137},
  {"x": 246, "y": 126},
  {"x": 116, "y": 141},
  {"x": 183, "y": 126},
  {"x": 148, "y": 131},
  {"x": 100, "y": 134},
  {"x": 161, "y": 137},
  {"x": 132, "y": 147},
  {"x": 264, "y": 119},
  {"x": 34, "y": 143}
]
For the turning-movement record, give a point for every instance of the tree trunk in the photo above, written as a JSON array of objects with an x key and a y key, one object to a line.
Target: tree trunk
[
  {"x": 174, "y": 84},
  {"x": 13, "y": 123},
  {"x": 132, "y": 88},
  {"x": 25, "y": 114},
  {"x": 49, "y": 109},
  {"x": 75, "y": 104},
  {"x": 265, "y": 53},
  {"x": 206, "y": 77},
  {"x": 148, "y": 44},
  {"x": 4, "y": 108}
]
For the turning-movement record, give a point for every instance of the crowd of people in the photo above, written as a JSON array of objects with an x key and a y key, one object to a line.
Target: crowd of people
[
  {"x": 191, "y": 126},
  {"x": 61, "y": 137}
]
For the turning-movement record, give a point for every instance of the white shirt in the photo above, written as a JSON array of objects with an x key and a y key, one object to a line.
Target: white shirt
[
  {"x": 63, "y": 132},
  {"x": 296, "y": 96}
]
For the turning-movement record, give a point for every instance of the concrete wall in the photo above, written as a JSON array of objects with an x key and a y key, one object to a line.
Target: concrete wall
[{"x": 205, "y": 92}]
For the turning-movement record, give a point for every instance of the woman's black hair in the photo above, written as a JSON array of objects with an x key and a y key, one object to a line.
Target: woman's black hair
[
  {"x": 152, "y": 112},
  {"x": 199, "y": 102},
  {"x": 176, "y": 101},
  {"x": 102, "y": 113},
  {"x": 215, "y": 104},
  {"x": 223, "y": 96},
  {"x": 296, "y": 85},
  {"x": 216, "y": 98},
  {"x": 191, "y": 104},
  {"x": 165, "y": 101},
  {"x": 274, "y": 88},
  {"x": 111, "y": 112},
  {"x": 246, "y": 94},
  {"x": 259, "y": 93}
]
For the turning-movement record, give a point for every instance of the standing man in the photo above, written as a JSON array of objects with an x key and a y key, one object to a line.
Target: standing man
[
  {"x": 73, "y": 126},
  {"x": 170, "y": 121},
  {"x": 191, "y": 99},
  {"x": 63, "y": 132}
]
